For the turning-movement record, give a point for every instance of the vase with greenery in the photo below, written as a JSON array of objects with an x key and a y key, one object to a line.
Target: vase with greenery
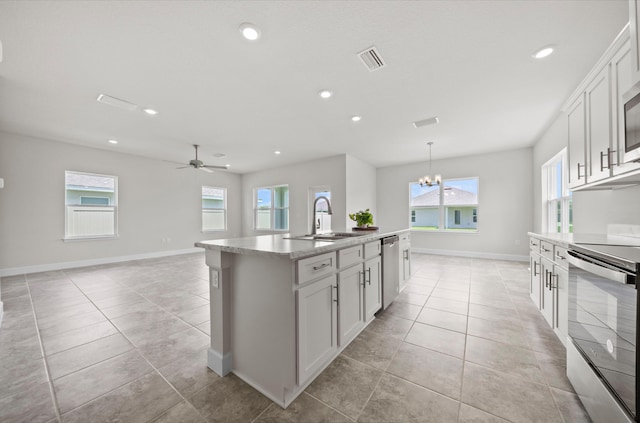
[{"x": 362, "y": 218}]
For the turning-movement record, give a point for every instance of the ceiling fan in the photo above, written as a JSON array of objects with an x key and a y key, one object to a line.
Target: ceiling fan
[{"x": 198, "y": 164}]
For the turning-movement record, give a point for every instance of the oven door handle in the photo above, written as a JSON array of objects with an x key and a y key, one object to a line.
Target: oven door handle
[{"x": 600, "y": 269}]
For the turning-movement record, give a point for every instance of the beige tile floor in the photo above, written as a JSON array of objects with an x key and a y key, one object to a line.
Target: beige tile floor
[{"x": 127, "y": 343}]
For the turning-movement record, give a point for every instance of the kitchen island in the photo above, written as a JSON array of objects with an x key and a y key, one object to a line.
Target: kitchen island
[{"x": 282, "y": 309}]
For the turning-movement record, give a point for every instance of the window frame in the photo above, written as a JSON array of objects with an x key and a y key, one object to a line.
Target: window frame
[
  {"x": 224, "y": 209},
  {"x": 551, "y": 203},
  {"x": 442, "y": 209},
  {"x": 272, "y": 209},
  {"x": 113, "y": 206}
]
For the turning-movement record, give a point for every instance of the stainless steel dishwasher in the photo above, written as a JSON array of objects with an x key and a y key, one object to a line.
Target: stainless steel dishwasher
[{"x": 390, "y": 269}]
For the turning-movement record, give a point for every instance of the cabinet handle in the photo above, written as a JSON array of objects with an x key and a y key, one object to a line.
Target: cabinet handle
[
  {"x": 535, "y": 267},
  {"x": 337, "y": 293},
  {"x": 322, "y": 266},
  {"x": 533, "y": 244},
  {"x": 579, "y": 177},
  {"x": 406, "y": 254},
  {"x": 559, "y": 256},
  {"x": 361, "y": 276},
  {"x": 546, "y": 278},
  {"x": 369, "y": 281},
  {"x": 544, "y": 249},
  {"x": 602, "y": 155},
  {"x": 553, "y": 285}
]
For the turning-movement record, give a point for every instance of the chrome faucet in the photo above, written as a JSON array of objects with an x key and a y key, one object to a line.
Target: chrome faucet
[{"x": 313, "y": 217}]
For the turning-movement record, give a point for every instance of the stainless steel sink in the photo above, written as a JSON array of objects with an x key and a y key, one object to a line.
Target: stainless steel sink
[{"x": 331, "y": 236}]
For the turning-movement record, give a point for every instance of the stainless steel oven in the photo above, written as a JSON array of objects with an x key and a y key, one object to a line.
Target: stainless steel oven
[{"x": 603, "y": 315}]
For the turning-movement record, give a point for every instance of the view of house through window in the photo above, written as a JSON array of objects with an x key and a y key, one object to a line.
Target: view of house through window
[
  {"x": 90, "y": 205},
  {"x": 214, "y": 209},
  {"x": 271, "y": 207},
  {"x": 451, "y": 206},
  {"x": 557, "y": 202}
]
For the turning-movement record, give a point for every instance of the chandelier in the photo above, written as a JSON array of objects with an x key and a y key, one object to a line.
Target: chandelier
[{"x": 427, "y": 181}]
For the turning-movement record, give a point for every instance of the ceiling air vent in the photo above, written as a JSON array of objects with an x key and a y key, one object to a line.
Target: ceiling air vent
[
  {"x": 116, "y": 102},
  {"x": 371, "y": 59}
]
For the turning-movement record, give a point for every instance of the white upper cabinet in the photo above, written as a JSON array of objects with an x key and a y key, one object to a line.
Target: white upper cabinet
[
  {"x": 577, "y": 143},
  {"x": 634, "y": 16},
  {"x": 598, "y": 109},
  {"x": 595, "y": 117}
]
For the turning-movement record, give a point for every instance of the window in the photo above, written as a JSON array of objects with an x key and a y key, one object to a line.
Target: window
[
  {"x": 451, "y": 206},
  {"x": 90, "y": 205},
  {"x": 322, "y": 218},
  {"x": 557, "y": 211},
  {"x": 214, "y": 209},
  {"x": 271, "y": 207}
]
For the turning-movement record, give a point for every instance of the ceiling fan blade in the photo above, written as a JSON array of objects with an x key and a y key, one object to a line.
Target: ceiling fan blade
[
  {"x": 183, "y": 167},
  {"x": 205, "y": 169},
  {"x": 216, "y": 167}
]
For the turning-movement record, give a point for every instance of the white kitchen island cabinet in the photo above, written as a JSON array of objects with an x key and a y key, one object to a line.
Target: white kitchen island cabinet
[{"x": 283, "y": 309}]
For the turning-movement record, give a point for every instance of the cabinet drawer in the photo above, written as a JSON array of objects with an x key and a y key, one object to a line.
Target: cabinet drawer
[
  {"x": 560, "y": 256},
  {"x": 314, "y": 267},
  {"x": 546, "y": 249},
  {"x": 405, "y": 237},
  {"x": 349, "y": 256},
  {"x": 372, "y": 249},
  {"x": 534, "y": 244}
]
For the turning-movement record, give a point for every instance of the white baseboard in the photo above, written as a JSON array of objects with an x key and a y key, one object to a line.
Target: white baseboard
[
  {"x": 92, "y": 262},
  {"x": 471, "y": 254}
]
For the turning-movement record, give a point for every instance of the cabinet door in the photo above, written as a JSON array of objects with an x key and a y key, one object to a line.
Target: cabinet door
[
  {"x": 317, "y": 326},
  {"x": 372, "y": 287},
  {"x": 621, "y": 82},
  {"x": 577, "y": 143},
  {"x": 547, "y": 295},
  {"x": 598, "y": 127},
  {"x": 406, "y": 263},
  {"x": 561, "y": 312},
  {"x": 534, "y": 288},
  {"x": 634, "y": 21},
  {"x": 350, "y": 303}
]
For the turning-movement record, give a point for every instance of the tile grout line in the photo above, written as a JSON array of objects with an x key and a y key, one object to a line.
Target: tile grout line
[
  {"x": 52, "y": 391},
  {"x": 138, "y": 351}
]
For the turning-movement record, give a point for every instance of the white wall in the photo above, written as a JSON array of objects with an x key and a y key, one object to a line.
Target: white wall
[
  {"x": 360, "y": 188},
  {"x": 300, "y": 177},
  {"x": 505, "y": 203},
  {"x": 592, "y": 210},
  {"x": 155, "y": 201}
]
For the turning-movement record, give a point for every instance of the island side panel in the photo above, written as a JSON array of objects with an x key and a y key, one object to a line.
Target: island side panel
[
  {"x": 263, "y": 324},
  {"x": 219, "y": 357}
]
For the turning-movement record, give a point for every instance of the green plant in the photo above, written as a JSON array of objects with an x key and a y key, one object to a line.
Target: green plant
[{"x": 362, "y": 218}]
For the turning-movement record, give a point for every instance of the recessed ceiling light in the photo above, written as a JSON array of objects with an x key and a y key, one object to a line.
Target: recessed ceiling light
[
  {"x": 325, "y": 93},
  {"x": 543, "y": 52},
  {"x": 228, "y": 165},
  {"x": 276, "y": 152},
  {"x": 113, "y": 141},
  {"x": 356, "y": 118},
  {"x": 249, "y": 31},
  {"x": 150, "y": 112}
]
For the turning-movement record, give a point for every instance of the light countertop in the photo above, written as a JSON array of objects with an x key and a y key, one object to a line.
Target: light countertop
[
  {"x": 279, "y": 245},
  {"x": 601, "y": 239}
]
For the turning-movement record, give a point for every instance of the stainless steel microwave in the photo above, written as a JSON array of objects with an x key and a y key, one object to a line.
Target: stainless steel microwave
[{"x": 632, "y": 124}]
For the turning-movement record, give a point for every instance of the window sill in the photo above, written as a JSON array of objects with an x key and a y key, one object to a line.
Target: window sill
[
  {"x": 443, "y": 231},
  {"x": 90, "y": 238},
  {"x": 213, "y": 230}
]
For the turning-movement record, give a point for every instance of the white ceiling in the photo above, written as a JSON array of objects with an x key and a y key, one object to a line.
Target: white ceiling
[{"x": 467, "y": 62}]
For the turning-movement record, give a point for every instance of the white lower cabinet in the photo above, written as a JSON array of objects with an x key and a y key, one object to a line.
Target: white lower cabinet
[
  {"x": 317, "y": 326},
  {"x": 549, "y": 285},
  {"x": 350, "y": 303},
  {"x": 372, "y": 287}
]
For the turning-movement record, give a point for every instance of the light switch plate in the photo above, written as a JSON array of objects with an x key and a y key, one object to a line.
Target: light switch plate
[{"x": 1, "y": 182}]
